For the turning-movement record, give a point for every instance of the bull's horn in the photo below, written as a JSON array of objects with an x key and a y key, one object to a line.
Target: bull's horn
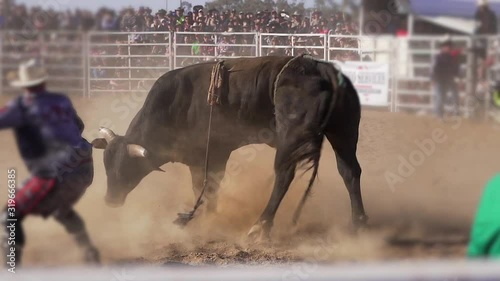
[
  {"x": 135, "y": 150},
  {"x": 108, "y": 134}
]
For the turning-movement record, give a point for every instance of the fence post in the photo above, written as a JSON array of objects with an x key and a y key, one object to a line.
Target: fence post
[
  {"x": 174, "y": 37},
  {"x": 433, "y": 47},
  {"x": 328, "y": 55},
  {"x": 486, "y": 79},
  {"x": 325, "y": 47},
  {"x": 170, "y": 51},
  {"x": 2, "y": 42},
  {"x": 394, "y": 70},
  {"x": 129, "y": 63},
  {"x": 216, "y": 49},
  {"x": 256, "y": 40},
  {"x": 83, "y": 60},
  {"x": 259, "y": 44}
]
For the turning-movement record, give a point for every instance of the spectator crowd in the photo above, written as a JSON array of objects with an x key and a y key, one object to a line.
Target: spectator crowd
[
  {"x": 19, "y": 17},
  {"x": 121, "y": 63}
]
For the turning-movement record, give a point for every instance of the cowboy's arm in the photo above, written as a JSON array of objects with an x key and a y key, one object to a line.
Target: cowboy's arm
[
  {"x": 79, "y": 123},
  {"x": 77, "y": 119},
  {"x": 10, "y": 116}
]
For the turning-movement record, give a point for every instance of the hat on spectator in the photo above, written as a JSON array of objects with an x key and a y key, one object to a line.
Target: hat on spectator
[
  {"x": 29, "y": 74},
  {"x": 482, "y": 2},
  {"x": 296, "y": 13}
]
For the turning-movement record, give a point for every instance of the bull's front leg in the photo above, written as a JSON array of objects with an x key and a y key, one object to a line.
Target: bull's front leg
[
  {"x": 197, "y": 177},
  {"x": 206, "y": 184},
  {"x": 215, "y": 173},
  {"x": 214, "y": 177}
]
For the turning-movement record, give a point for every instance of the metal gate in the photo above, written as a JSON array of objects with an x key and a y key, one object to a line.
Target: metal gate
[
  {"x": 124, "y": 62},
  {"x": 62, "y": 54},
  {"x": 414, "y": 91}
]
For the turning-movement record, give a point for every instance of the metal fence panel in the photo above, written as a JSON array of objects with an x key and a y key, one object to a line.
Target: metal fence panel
[
  {"x": 194, "y": 47},
  {"x": 413, "y": 88},
  {"x": 62, "y": 53},
  {"x": 122, "y": 62},
  {"x": 99, "y": 62},
  {"x": 293, "y": 44}
]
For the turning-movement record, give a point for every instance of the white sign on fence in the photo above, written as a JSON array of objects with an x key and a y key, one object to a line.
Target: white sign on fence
[{"x": 371, "y": 80}]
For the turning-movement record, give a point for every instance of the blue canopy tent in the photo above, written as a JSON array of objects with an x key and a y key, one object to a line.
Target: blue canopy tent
[
  {"x": 456, "y": 15},
  {"x": 451, "y": 8}
]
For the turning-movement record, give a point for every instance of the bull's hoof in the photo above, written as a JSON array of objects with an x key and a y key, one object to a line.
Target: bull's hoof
[
  {"x": 361, "y": 221},
  {"x": 92, "y": 256},
  {"x": 184, "y": 218},
  {"x": 259, "y": 233},
  {"x": 360, "y": 224}
]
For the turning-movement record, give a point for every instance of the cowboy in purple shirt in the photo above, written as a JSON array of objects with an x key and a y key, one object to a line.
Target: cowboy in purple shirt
[{"x": 48, "y": 134}]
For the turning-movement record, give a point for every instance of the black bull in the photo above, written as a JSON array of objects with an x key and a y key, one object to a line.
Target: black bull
[{"x": 296, "y": 100}]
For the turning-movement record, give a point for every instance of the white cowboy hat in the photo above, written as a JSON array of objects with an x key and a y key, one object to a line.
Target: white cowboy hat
[{"x": 29, "y": 74}]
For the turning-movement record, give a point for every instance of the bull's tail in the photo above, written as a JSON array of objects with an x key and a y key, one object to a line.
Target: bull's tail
[
  {"x": 335, "y": 77},
  {"x": 315, "y": 166}
]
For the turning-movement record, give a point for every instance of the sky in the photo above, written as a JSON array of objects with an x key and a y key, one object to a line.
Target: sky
[{"x": 115, "y": 4}]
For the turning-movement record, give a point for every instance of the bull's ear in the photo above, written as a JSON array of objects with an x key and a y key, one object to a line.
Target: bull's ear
[{"x": 99, "y": 143}]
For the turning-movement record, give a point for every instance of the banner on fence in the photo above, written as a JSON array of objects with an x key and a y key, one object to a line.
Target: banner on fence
[{"x": 371, "y": 80}]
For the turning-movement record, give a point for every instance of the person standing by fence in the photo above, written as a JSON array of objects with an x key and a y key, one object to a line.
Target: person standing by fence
[
  {"x": 486, "y": 24},
  {"x": 444, "y": 72},
  {"x": 486, "y": 20}
]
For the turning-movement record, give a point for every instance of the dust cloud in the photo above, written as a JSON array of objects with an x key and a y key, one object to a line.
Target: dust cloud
[{"x": 425, "y": 213}]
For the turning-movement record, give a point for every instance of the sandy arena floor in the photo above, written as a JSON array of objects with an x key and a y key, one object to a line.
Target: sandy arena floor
[{"x": 426, "y": 214}]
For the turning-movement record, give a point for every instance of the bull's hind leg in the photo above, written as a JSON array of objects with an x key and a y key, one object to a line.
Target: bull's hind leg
[
  {"x": 285, "y": 172},
  {"x": 350, "y": 170}
]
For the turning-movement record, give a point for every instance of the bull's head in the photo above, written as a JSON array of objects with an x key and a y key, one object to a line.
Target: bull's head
[{"x": 126, "y": 165}]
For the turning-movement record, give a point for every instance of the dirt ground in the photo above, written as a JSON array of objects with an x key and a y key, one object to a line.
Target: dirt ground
[{"x": 418, "y": 213}]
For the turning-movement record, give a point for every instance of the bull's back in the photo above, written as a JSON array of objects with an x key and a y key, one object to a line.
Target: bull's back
[
  {"x": 178, "y": 99},
  {"x": 246, "y": 94}
]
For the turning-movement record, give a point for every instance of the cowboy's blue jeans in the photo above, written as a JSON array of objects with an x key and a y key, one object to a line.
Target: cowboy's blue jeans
[{"x": 441, "y": 90}]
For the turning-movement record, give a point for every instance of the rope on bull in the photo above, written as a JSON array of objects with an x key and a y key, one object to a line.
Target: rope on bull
[
  {"x": 215, "y": 84},
  {"x": 214, "y": 98}
]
